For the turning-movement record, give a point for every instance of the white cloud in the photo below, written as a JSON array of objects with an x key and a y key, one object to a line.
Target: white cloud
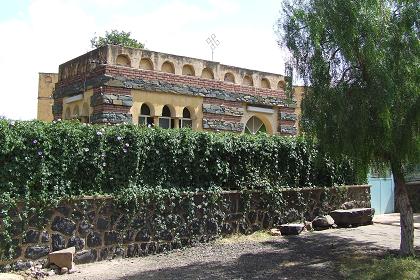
[
  {"x": 55, "y": 31},
  {"x": 225, "y": 6}
]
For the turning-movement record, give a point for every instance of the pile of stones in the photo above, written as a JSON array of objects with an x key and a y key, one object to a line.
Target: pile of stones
[
  {"x": 338, "y": 218},
  {"x": 59, "y": 262}
]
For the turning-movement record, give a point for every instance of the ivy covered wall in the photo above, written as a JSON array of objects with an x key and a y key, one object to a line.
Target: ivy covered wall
[{"x": 43, "y": 164}]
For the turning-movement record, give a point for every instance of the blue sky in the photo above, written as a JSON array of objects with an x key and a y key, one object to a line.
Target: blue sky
[{"x": 41, "y": 34}]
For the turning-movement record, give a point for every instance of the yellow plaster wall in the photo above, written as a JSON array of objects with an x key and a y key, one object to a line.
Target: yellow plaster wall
[
  {"x": 157, "y": 60},
  {"x": 46, "y": 84},
  {"x": 72, "y": 106},
  {"x": 175, "y": 102},
  {"x": 297, "y": 96}
]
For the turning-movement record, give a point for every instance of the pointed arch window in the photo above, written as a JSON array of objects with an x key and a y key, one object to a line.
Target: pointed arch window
[{"x": 254, "y": 126}]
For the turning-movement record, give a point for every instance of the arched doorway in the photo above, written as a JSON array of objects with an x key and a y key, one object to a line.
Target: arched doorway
[{"x": 254, "y": 125}]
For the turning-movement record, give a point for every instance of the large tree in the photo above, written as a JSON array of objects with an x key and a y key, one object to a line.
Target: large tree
[
  {"x": 361, "y": 61},
  {"x": 115, "y": 37}
]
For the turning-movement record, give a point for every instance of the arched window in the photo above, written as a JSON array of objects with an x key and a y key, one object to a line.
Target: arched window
[
  {"x": 254, "y": 126},
  {"x": 186, "y": 120},
  {"x": 281, "y": 85},
  {"x": 207, "y": 73},
  {"x": 123, "y": 60},
  {"x": 188, "y": 70},
  {"x": 76, "y": 112},
  {"x": 67, "y": 115},
  {"x": 145, "y": 118},
  {"x": 247, "y": 81},
  {"x": 168, "y": 67},
  {"x": 229, "y": 78},
  {"x": 166, "y": 120},
  {"x": 265, "y": 83},
  {"x": 84, "y": 117},
  {"x": 146, "y": 64}
]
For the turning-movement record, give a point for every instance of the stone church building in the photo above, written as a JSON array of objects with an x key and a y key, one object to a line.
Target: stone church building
[{"x": 114, "y": 84}]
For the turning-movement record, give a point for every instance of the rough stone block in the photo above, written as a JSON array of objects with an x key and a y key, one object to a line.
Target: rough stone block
[
  {"x": 84, "y": 228},
  {"x": 275, "y": 232},
  {"x": 323, "y": 222},
  {"x": 62, "y": 258},
  {"x": 291, "y": 229},
  {"x": 36, "y": 252},
  {"x": 127, "y": 103},
  {"x": 112, "y": 237},
  {"x": 63, "y": 225},
  {"x": 102, "y": 224},
  {"x": 85, "y": 256},
  {"x": 31, "y": 236},
  {"x": 77, "y": 242},
  {"x": 45, "y": 237},
  {"x": 57, "y": 242},
  {"x": 94, "y": 239},
  {"x": 353, "y": 217}
]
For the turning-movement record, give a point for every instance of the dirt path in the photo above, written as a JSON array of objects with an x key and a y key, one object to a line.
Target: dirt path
[{"x": 315, "y": 255}]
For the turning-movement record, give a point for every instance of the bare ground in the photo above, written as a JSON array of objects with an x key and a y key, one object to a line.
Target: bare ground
[{"x": 311, "y": 255}]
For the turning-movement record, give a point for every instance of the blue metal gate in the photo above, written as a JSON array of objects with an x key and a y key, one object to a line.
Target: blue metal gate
[{"x": 382, "y": 194}]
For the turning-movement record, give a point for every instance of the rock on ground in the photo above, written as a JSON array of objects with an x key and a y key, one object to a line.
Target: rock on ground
[
  {"x": 291, "y": 229},
  {"x": 323, "y": 222},
  {"x": 353, "y": 217}
]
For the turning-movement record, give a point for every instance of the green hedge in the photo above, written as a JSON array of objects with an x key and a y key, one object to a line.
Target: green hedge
[
  {"x": 68, "y": 158},
  {"x": 43, "y": 163}
]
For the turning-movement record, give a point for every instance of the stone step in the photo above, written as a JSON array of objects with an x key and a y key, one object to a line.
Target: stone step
[
  {"x": 62, "y": 258},
  {"x": 353, "y": 217},
  {"x": 291, "y": 229}
]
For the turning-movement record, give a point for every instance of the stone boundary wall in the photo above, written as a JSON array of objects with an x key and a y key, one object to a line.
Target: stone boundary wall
[{"x": 100, "y": 230}]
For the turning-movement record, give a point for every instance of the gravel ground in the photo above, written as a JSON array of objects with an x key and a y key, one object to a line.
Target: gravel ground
[{"x": 316, "y": 255}]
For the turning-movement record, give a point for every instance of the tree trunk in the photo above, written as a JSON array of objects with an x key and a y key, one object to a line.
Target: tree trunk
[{"x": 406, "y": 212}]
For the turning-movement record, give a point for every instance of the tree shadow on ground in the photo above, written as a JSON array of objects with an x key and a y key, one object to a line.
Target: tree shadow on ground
[{"x": 309, "y": 256}]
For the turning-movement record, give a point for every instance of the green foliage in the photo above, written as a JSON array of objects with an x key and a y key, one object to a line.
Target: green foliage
[
  {"x": 115, "y": 37},
  {"x": 388, "y": 268},
  {"x": 361, "y": 59},
  {"x": 43, "y": 163},
  {"x": 65, "y": 159}
]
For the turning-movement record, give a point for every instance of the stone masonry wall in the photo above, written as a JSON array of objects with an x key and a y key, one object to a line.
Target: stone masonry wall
[{"x": 100, "y": 230}]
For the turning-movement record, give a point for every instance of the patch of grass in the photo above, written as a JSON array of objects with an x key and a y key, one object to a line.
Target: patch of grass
[
  {"x": 388, "y": 268},
  {"x": 257, "y": 236}
]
